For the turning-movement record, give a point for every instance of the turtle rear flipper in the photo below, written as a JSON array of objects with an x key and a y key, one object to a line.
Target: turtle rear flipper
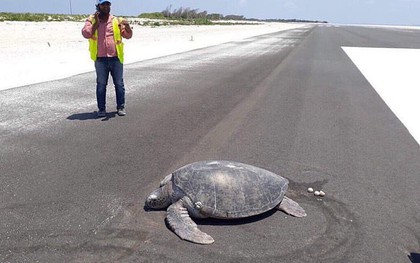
[
  {"x": 181, "y": 223},
  {"x": 290, "y": 207}
]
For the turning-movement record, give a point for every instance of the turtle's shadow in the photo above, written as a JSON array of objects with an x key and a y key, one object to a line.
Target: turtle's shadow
[
  {"x": 227, "y": 222},
  {"x": 235, "y": 221},
  {"x": 414, "y": 257}
]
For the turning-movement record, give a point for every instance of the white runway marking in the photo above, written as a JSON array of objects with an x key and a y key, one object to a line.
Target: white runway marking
[{"x": 394, "y": 73}]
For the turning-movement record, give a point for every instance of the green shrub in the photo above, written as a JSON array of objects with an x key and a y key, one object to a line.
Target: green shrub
[
  {"x": 156, "y": 15},
  {"x": 40, "y": 17},
  {"x": 202, "y": 21}
]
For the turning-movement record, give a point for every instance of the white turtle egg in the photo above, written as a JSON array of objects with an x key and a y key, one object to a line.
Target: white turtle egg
[
  {"x": 317, "y": 193},
  {"x": 321, "y": 193},
  {"x": 310, "y": 190}
]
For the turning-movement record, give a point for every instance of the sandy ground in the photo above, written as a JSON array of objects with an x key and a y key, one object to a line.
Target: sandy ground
[{"x": 34, "y": 52}]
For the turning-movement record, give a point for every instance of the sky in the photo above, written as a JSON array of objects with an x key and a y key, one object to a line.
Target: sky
[{"x": 378, "y": 12}]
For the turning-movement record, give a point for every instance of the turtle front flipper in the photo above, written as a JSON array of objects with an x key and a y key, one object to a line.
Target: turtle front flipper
[
  {"x": 290, "y": 207},
  {"x": 181, "y": 223}
]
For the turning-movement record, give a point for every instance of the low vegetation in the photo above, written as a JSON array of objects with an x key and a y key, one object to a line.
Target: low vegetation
[
  {"x": 188, "y": 14},
  {"x": 39, "y": 17},
  {"x": 180, "y": 16}
]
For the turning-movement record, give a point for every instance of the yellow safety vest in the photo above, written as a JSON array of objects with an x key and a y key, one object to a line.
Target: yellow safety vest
[{"x": 119, "y": 45}]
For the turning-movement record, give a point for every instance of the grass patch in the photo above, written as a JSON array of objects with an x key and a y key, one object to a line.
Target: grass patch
[{"x": 30, "y": 17}]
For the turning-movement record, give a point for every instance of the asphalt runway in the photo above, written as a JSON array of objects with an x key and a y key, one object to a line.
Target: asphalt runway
[{"x": 73, "y": 186}]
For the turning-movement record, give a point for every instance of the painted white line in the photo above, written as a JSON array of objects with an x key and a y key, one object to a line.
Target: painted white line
[{"x": 394, "y": 73}]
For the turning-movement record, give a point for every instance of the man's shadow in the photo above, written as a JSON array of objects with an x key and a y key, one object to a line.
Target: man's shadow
[{"x": 91, "y": 116}]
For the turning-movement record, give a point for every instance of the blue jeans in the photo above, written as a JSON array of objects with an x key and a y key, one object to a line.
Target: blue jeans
[{"x": 103, "y": 67}]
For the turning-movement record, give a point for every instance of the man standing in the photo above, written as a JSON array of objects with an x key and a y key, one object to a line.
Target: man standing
[{"x": 105, "y": 33}]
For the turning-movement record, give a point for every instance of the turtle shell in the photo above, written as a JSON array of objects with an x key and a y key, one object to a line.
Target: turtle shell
[{"x": 223, "y": 189}]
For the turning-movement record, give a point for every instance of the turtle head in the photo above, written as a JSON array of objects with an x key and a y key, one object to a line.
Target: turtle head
[{"x": 158, "y": 199}]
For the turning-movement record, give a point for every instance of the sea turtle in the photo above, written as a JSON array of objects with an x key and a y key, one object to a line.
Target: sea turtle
[{"x": 219, "y": 189}]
